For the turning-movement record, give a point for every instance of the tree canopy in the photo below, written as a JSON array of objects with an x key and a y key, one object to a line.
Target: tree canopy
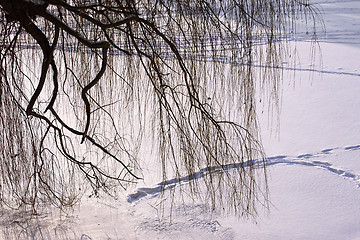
[{"x": 84, "y": 81}]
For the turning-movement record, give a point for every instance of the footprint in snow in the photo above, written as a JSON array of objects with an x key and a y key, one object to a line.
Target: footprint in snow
[
  {"x": 305, "y": 156},
  {"x": 357, "y": 147},
  {"x": 327, "y": 151}
]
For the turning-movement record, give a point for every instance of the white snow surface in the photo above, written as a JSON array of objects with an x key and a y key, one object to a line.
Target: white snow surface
[{"x": 314, "y": 162}]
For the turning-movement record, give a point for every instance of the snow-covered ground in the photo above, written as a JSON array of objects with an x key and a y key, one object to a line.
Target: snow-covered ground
[{"x": 314, "y": 162}]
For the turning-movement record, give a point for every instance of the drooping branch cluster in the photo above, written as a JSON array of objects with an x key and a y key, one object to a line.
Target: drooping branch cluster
[{"x": 108, "y": 66}]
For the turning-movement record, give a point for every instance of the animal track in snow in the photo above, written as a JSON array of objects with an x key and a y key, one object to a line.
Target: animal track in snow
[{"x": 303, "y": 159}]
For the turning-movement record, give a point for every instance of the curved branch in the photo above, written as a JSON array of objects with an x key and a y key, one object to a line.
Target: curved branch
[
  {"x": 57, "y": 22},
  {"x": 43, "y": 42},
  {"x": 55, "y": 71},
  {"x": 89, "y": 86}
]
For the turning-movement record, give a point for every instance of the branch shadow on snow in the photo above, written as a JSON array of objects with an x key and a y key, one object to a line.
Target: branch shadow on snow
[{"x": 21, "y": 224}]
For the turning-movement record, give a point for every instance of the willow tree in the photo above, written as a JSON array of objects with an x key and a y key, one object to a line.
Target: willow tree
[{"x": 83, "y": 82}]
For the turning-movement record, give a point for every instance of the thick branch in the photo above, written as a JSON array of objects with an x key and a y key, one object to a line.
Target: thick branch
[
  {"x": 41, "y": 39},
  {"x": 89, "y": 86}
]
